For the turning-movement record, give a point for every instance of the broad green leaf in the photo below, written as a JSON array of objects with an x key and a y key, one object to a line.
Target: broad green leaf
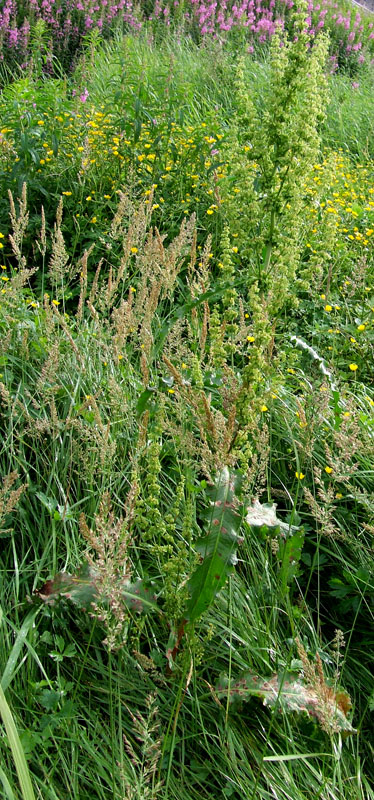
[
  {"x": 143, "y": 400},
  {"x": 49, "y": 699},
  {"x": 207, "y": 580},
  {"x": 218, "y": 547},
  {"x": 289, "y": 555}
]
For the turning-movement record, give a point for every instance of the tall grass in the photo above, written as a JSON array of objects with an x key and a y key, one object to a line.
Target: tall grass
[{"x": 119, "y": 369}]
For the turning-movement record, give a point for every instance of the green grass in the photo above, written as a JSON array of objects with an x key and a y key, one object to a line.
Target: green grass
[
  {"x": 200, "y": 79},
  {"x": 89, "y": 407},
  {"x": 349, "y": 122}
]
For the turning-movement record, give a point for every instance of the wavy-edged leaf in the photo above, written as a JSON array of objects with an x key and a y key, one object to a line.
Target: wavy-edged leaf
[
  {"x": 218, "y": 547},
  {"x": 85, "y": 588},
  {"x": 261, "y": 515},
  {"x": 288, "y": 692}
]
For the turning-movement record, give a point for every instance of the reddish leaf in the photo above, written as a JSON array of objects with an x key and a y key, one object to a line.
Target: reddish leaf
[{"x": 85, "y": 588}]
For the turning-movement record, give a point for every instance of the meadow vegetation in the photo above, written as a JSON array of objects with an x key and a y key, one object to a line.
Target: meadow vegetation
[{"x": 186, "y": 402}]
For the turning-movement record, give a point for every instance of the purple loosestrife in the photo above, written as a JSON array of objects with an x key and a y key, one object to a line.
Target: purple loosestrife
[{"x": 69, "y": 21}]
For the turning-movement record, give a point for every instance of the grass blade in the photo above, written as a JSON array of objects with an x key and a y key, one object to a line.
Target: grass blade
[{"x": 16, "y": 748}]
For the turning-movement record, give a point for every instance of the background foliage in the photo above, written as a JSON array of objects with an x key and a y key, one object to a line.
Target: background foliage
[{"x": 186, "y": 373}]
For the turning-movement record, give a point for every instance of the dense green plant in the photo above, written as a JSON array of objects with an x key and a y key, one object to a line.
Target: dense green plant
[
  {"x": 275, "y": 148},
  {"x": 161, "y": 392}
]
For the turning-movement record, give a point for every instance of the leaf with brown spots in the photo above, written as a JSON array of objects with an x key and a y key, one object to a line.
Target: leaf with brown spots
[
  {"x": 288, "y": 692},
  {"x": 218, "y": 547},
  {"x": 85, "y": 588}
]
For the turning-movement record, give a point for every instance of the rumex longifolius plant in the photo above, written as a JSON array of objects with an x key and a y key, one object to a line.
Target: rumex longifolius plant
[{"x": 273, "y": 148}]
